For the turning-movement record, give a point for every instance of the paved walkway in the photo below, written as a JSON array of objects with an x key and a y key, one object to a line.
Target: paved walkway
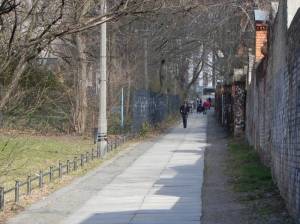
[{"x": 158, "y": 182}]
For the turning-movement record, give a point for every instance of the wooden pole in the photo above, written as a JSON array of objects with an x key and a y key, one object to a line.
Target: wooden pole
[
  {"x": 1, "y": 198},
  {"x": 17, "y": 191},
  {"x": 29, "y": 185}
]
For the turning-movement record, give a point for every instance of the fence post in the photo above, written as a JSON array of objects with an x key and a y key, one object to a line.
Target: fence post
[
  {"x": 50, "y": 173},
  {"x": 41, "y": 179},
  {"x": 68, "y": 166},
  {"x": 97, "y": 153},
  {"x": 75, "y": 163},
  {"x": 17, "y": 191},
  {"x": 60, "y": 170},
  {"x": 87, "y": 157},
  {"x": 29, "y": 185},
  {"x": 1, "y": 198},
  {"x": 81, "y": 159},
  {"x": 92, "y": 154}
]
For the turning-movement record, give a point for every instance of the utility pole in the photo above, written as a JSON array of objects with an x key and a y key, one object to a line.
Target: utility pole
[{"x": 102, "y": 118}]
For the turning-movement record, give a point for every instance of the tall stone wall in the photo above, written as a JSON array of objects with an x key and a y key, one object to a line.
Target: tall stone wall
[
  {"x": 273, "y": 108},
  {"x": 230, "y": 107},
  {"x": 239, "y": 96}
]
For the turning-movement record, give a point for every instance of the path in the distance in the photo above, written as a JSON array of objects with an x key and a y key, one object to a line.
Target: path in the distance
[{"x": 158, "y": 182}]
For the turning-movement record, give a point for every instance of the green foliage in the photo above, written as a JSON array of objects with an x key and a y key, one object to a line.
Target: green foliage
[
  {"x": 114, "y": 125},
  {"x": 254, "y": 181},
  {"x": 40, "y": 103},
  {"x": 38, "y": 75},
  {"x": 145, "y": 129},
  {"x": 249, "y": 173}
]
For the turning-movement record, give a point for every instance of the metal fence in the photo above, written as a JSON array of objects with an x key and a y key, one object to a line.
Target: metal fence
[
  {"x": 54, "y": 172},
  {"x": 152, "y": 108}
]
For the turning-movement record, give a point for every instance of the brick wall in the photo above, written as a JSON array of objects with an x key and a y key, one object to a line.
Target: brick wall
[
  {"x": 261, "y": 38},
  {"x": 273, "y": 109}
]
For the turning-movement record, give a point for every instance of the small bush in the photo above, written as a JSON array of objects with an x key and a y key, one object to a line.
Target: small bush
[{"x": 145, "y": 129}]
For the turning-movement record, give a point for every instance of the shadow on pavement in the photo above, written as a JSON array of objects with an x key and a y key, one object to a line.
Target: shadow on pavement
[
  {"x": 174, "y": 199},
  {"x": 181, "y": 204}
]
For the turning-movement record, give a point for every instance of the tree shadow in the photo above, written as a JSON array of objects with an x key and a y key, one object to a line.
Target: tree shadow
[{"x": 174, "y": 198}]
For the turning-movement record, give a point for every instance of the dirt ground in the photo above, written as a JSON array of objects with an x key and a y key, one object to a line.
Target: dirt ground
[{"x": 221, "y": 204}]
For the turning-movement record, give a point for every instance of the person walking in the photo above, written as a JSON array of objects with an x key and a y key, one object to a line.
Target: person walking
[
  {"x": 210, "y": 102},
  {"x": 206, "y": 106},
  {"x": 184, "y": 111},
  {"x": 199, "y": 106}
]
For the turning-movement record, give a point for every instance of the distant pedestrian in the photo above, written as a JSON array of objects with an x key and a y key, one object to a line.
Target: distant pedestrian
[
  {"x": 206, "y": 106},
  {"x": 184, "y": 111},
  {"x": 210, "y": 103},
  {"x": 199, "y": 108}
]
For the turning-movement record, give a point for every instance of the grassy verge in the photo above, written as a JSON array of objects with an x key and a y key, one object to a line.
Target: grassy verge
[
  {"x": 12, "y": 208},
  {"x": 26, "y": 155},
  {"x": 250, "y": 175},
  {"x": 254, "y": 182}
]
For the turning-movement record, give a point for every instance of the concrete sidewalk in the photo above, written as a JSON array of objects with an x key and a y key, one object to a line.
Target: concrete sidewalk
[{"x": 159, "y": 182}]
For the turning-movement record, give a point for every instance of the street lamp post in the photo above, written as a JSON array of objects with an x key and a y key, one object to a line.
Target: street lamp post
[{"x": 102, "y": 118}]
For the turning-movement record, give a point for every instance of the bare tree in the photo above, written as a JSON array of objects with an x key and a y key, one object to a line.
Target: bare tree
[{"x": 174, "y": 31}]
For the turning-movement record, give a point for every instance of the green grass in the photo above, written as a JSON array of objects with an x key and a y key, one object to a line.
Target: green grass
[
  {"x": 254, "y": 182},
  {"x": 26, "y": 155},
  {"x": 249, "y": 173}
]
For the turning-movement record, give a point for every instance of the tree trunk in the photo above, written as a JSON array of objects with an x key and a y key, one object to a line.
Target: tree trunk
[
  {"x": 81, "y": 96},
  {"x": 17, "y": 75}
]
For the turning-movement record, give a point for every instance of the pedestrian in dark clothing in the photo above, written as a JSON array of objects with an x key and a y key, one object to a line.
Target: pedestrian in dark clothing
[
  {"x": 210, "y": 102},
  {"x": 199, "y": 108},
  {"x": 184, "y": 111},
  {"x": 199, "y": 105}
]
